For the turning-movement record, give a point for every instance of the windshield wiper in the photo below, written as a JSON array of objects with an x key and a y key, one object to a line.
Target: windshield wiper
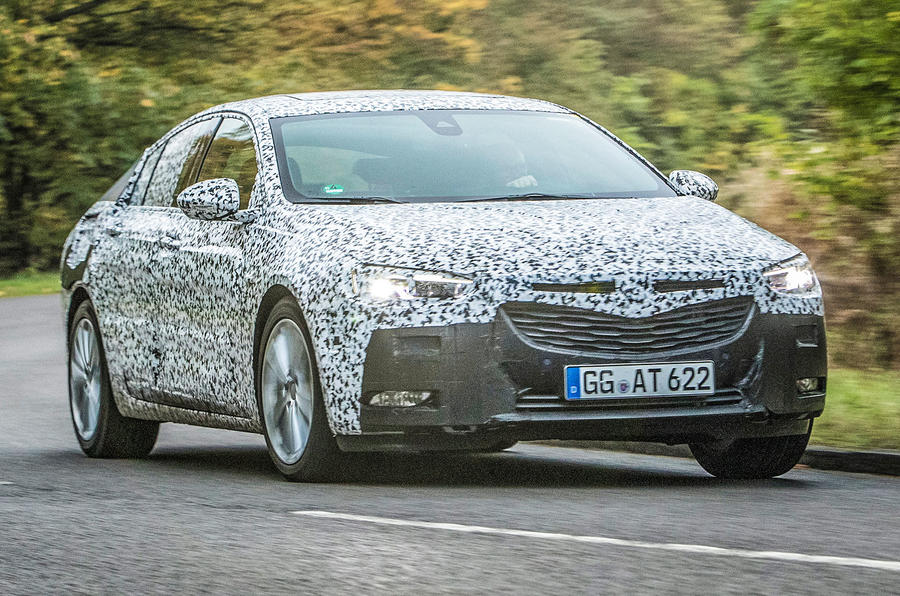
[
  {"x": 530, "y": 196},
  {"x": 363, "y": 200}
]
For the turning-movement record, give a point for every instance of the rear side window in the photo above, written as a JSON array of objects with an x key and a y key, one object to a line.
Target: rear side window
[
  {"x": 232, "y": 155},
  {"x": 177, "y": 166}
]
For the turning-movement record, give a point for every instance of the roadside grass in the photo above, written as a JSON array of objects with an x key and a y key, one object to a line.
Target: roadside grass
[
  {"x": 27, "y": 283},
  {"x": 862, "y": 410}
]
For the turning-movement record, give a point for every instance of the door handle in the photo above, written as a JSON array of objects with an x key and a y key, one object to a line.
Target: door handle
[
  {"x": 169, "y": 241},
  {"x": 168, "y": 244}
]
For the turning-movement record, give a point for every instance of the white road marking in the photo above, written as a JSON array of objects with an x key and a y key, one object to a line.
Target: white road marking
[
  {"x": 6, "y": 482},
  {"x": 881, "y": 564}
]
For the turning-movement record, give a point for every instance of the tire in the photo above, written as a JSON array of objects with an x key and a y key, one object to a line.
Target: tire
[
  {"x": 99, "y": 427},
  {"x": 764, "y": 457},
  {"x": 500, "y": 446},
  {"x": 289, "y": 399}
]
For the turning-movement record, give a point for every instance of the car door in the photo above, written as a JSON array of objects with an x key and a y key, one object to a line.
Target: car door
[
  {"x": 137, "y": 276},
  {"x": 208, "y": 364},
  {"x": 118, "y": 281}
]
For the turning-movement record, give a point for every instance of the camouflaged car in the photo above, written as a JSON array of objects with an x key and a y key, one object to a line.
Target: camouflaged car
[{"x": 425, "y": 270}]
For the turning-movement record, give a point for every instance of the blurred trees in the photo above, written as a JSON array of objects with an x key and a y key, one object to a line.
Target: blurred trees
[
  {"x": 792, "y": 104},
  {"x": 85, "y": 85},
  {"x": 70, "y": 118},
  {"x": 831, "y": 71},
  {"x": 45, "y": 164}
]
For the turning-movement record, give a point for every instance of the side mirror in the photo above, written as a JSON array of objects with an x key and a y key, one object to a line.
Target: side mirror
[
  {"x": 218, "y": 199},
  {"x": 689, "y": 182}
]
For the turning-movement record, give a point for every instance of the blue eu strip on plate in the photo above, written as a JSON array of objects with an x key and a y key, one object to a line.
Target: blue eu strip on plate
[{"x": 573, "y": 382}]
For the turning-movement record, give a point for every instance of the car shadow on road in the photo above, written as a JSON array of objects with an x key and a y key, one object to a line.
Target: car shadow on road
[
  {"x": 240, "y": 460},
  {"x": 513, "y": 469},
  {"x": 510, "y": 469}
]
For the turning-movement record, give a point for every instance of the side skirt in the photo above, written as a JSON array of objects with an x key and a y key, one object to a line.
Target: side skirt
[{"x": 135, "y": 408}]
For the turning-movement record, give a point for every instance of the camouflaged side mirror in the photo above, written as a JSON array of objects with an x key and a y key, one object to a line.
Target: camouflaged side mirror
[
  {"x": 689, "y": 182},
  {"x": 218, "y": 199}
]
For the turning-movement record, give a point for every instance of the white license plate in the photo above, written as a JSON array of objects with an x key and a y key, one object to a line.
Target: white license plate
[{"x": 617, "y": 381}]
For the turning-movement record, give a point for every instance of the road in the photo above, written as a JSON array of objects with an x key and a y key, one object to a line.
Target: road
[{"x": 207, "y": 513}]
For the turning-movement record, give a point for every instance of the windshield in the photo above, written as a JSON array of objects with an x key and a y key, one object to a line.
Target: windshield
[{"x": 454, "y": 155}]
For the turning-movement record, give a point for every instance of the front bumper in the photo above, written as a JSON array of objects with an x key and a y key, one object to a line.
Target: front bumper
[{"x": 492, "y": 383}]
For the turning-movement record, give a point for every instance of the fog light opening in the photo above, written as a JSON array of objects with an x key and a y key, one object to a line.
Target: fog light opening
[
  {"x": 399, "y": 399},
  {"x": 808, "y": 385}
]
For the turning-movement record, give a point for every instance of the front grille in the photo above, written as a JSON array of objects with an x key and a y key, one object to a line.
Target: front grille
[
  {"x": 677, "y": 285},
  {"x": 591, "y": 287},
  {"x": 569, "y": 329},
  {"x": 554, "y": 403}
]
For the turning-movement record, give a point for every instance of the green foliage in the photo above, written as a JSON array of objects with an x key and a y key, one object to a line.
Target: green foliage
[
  {"x": 837, "y": 77},
  {"x": 861, "y": 411},
  {"x": 806, "y": 92},
  {"x": 44, "y": 91},
  {"x": 843, "y": 55},
  {"x": 28, "y": 283},
  {"x": 831, "y": 71}
]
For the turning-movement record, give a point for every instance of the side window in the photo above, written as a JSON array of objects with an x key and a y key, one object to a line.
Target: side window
[
  {"x": 140, "y": 187},
  {"x": 232, "y": 155},
  {"x": 177, "y": 166}
]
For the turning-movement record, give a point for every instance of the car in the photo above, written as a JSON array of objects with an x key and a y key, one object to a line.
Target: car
[{"x": 433, "y": 271}]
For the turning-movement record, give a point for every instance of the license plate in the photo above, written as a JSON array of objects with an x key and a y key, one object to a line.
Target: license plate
[{"x": 618, "y": 381}]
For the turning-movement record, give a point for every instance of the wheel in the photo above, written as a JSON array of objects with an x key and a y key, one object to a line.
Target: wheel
[
  {"x": 289, "y": 398},
  {"x": 101, "y": 430},
  {"x": 764, "y": 457}
]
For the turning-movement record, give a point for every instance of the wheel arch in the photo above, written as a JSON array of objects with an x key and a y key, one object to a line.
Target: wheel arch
[
  {"x": 273, "y": 295},
  {"x": 79, "y": 295}
]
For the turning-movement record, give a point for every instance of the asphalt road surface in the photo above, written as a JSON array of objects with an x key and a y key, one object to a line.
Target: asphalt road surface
[{"x": 207, "y": 513}]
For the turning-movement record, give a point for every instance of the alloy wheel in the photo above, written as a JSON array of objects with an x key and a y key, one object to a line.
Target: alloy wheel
[
  {"x": 287, "y": 391},
  {"x": 84, "y": 379}
]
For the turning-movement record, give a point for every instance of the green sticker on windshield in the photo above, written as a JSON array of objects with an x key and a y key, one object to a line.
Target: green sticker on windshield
[{"x": 332, "y": 189}]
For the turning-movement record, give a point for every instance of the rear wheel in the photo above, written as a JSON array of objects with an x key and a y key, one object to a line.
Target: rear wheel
[
  {"x": 764, "y": 457},
  {"x": 101, "y": 430},
  {"x": 289, "y": 399}
]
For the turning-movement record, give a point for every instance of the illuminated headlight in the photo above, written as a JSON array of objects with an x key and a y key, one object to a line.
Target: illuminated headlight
[
  {"x": 794, "y": 276},
  {"x": 389, "y": 283}
]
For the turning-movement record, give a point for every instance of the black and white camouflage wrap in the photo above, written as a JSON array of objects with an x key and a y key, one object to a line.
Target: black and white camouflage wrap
[
  {"x": 694, "y": 184},
  {"x": 210, "y": 200},
  {"x": 205, "y": 296}
]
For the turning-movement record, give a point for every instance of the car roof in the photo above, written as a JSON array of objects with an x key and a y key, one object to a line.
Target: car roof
[{"x": 334, "y": 102}]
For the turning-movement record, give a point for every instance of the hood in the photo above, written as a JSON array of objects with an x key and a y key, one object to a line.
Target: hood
[{"x": 559, "y": 240}]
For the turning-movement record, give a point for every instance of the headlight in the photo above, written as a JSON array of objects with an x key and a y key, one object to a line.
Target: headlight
[
  {"x": 395, "y": 283},
  {"x": 794, "y": 276}
]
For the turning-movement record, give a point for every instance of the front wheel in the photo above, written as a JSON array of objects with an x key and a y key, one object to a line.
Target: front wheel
[
  {"x": 101, "y": 430},
  {"x": 763, "y": 457},
  {"x": 289, "y": 399}
]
